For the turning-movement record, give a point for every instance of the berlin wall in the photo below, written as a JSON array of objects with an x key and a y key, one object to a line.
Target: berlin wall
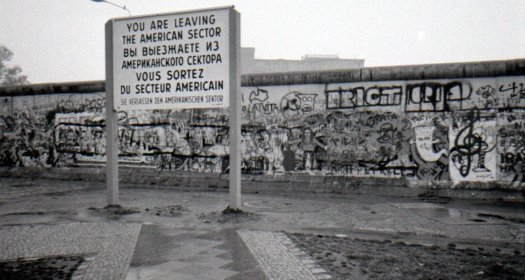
[{"x": 459, "y": 124}]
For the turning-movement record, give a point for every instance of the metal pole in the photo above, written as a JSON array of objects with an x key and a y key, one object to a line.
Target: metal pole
[
  {"x": 111, "y": 124},
  {"x": 235, "y": 110},
  {"x": 111, "y": 3}
]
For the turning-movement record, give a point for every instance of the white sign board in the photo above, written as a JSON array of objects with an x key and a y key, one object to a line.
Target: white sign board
[{"x": 172, "y": 61}]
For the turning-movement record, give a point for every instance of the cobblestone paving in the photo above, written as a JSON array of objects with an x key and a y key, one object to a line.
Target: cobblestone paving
[
  {"x": 191, "y": 254},
  {"x": 111, "y": 244},
  {"x": 280, "y": 258}
]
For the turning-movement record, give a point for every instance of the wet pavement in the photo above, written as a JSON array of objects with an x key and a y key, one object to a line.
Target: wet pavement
[{"x": 172, "y": 233}]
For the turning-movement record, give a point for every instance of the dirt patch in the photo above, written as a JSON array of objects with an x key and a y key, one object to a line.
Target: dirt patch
[
  {"x": 57, "y": 267},
  {"x": 346, "y": 258},
  {"x": 114, "y": 211},
  {"x": 167, "y": 211},
  {"x": 230, "y": 210},
  {"x": 55, "y": 194},
  {"x": 228, "y": 216},
  {"x": 433, "y": 196},
  {"x": 39, "y": 213},
  {"x": 501, "y": 217}
]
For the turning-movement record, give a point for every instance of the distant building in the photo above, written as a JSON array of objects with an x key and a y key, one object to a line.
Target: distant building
[{"x": 251, "y": 65}]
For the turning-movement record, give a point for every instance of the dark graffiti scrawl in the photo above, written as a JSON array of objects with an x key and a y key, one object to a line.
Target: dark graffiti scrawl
[
  {"x": 436, "y": 97},
  {"x": 355, "y": 97},
  {"x": 511, "y": 147},
  {"x": 472, "y": 143}
]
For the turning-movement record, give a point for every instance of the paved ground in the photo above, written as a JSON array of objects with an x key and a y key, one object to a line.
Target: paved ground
[
  {"x": 110, "y": 244},
  {"x": 280, "y": 258},
  {"x": 163, "y": 233}
]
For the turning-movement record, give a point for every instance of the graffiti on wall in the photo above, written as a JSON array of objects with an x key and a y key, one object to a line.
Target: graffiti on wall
[
  {"x": 355, "y": 97},
  {"x": 430, "y": 146},
  {"x": 26, "y": 139},
  {"x": 168, "y": 140},
  {"x": 436, "y": 96},
  {"x": 459, "y": 130},
  {"x": 511, "y": 147},
  {"x": 473, "y": 143}
]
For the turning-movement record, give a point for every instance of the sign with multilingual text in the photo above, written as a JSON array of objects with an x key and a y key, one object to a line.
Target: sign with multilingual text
[{"x": 172, "y": 61}]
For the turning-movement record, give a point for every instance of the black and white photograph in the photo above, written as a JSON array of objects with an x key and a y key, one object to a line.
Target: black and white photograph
[{"x": 251, "y": 139}]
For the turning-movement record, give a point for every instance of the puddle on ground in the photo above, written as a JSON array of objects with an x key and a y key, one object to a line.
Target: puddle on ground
[
  {"x": 34, "y": 217},
  {"x": 282, "y": 206},
  {"x": 446, "y": 215}
]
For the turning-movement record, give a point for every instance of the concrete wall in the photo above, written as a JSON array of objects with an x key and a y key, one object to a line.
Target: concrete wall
[{"x": 460, "y": 125}]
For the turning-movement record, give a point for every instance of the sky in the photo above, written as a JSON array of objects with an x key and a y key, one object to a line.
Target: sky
[{"x": 63, "y": 40}]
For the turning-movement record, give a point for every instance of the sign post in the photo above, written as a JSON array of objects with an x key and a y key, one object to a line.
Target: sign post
[
  {"x": 235, "y": 111},
  {"x": 111, "y": 124},
  {"x": 185, "y": 60}
]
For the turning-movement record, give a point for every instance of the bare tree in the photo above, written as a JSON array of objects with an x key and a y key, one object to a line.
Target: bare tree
[{"x": 10, "y": 75}]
